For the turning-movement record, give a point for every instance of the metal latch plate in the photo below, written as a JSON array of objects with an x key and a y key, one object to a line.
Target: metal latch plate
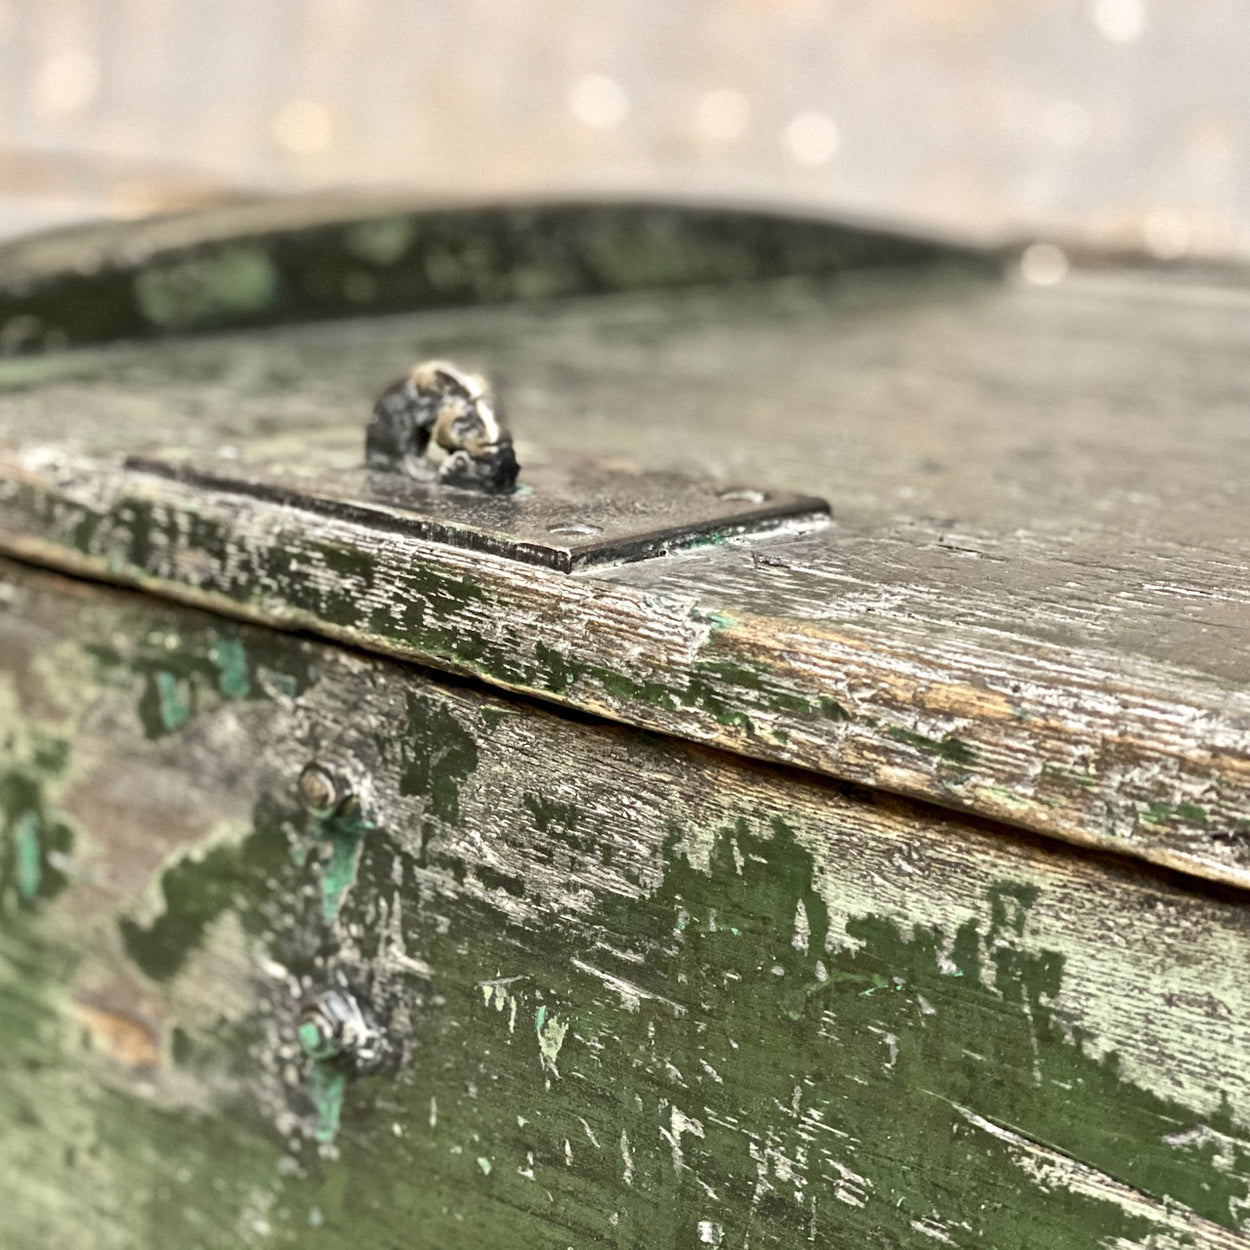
[{"x": 565, "y": 517}]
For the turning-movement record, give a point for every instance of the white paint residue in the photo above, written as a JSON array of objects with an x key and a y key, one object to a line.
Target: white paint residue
[
  {"x": 679, "y": 1124},
  {"x": 594, "y": 1141},
  {"x": 628, "y": 1175},
  {"x": 711, "y": 1233},
  {"x": 433, "y": 1112},
  {"x": 1056, "y": 1171},
  {"x": 551, "y": 1032},
  {"x": 931, "y": 1228},
  {"x": 1223, "y": 1149},
  {"x": 851, "y": 1188},
  {"x": 762, "y": 1184},
  {"x": 497, "y": 994},
  {"x": 802, "y": 928},
  {"x": 396, "y": 950},
  {"x": 630, "y": 994}
]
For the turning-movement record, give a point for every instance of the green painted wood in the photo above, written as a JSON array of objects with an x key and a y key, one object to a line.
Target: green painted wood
[
  {"x": 637, "y": 993},
  {"x": 309, "y": 258},
  {"x": 1030, "y": 605}
]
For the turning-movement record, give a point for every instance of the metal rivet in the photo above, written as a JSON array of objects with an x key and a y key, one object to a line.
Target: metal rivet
[
  {"x": 575, "y": 529},
  {"x": 333, "y": 1025},
  {"x": 742, "y": 494},
  {"x": 319, "y": 790}
]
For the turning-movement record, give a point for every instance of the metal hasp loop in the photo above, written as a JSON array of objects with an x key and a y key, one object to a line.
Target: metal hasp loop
[{"x": 439, "y": 406}]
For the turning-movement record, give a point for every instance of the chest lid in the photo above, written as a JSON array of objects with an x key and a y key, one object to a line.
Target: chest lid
[{"x": 1029, "y": 603}]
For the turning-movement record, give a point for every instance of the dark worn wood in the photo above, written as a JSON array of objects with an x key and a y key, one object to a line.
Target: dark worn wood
[
  {"x": 303, "y": 259},
  {"x": 636, "y": 993},
  {"x": 1031, "y": 605}
]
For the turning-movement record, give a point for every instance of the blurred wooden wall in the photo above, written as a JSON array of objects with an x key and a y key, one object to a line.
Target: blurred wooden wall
[{"x": 1105, "y": 123}]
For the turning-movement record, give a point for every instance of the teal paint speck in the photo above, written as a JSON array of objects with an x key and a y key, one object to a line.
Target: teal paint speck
[
  {"x": 29, "y": 855},
  {"x": 233, "y": 679},
  {"x": 539, "y": 1017},
  {"x": 344, "y": 833},
  {"x": 313, "y": 1043},
  {"x": 174, "y": 702},
  {"x": 283, "y": 683},
  {"x": 326, "y": 1085},
  {"x": 339, "y": 871}
]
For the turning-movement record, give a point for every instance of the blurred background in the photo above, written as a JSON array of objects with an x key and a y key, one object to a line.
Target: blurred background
[{"x": 1106, "y": 124}]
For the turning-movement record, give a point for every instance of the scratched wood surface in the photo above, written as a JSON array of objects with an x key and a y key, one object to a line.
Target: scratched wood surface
[
  {"x": 1031, "y": 604},
  {"x": 635, "y": 993}
]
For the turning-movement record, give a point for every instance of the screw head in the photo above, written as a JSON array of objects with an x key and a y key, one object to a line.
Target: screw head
[
  {"x": 319, "y": 791},
  {"x": 333, "y": 1025}
]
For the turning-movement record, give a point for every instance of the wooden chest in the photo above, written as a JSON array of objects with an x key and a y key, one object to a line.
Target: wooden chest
[{"x": 641, "y": 859}]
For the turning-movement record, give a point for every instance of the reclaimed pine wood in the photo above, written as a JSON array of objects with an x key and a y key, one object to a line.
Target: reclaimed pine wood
[
  {"x": 637, "y": 993},
  {"x": 1031, "y": 605}
]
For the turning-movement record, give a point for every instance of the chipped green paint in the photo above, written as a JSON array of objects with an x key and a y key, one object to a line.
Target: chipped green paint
[
  {"x": 243, "y": 878},
  {"x": 557, "y": 819},
  {"x": 36, "y": 839},
  {"x": 234, "y": 680},
  {"x": 715, "y": 1009},
  {"x": 327, "y": 1084},
  {"x": 705, "y": 540},
  {"x": 1164, "y": 813},
  {"x": 902, "y": 1029},
  {"x": 756, "y": 678},
  {"x": 29, "y": 855},
  {"x": 343, "y": 834},
  {"x": 831, "y": 709},
  {"x": 717, "y": 620},
  {"x": 135, "y": 533},
  {"x": 314, "y": 1044},
  {"x": 380, "y": 242},
  {"x": 551, "y": 1032},
  {"x": 949, "y": 748},
  {"x": 436, "y": 259},
  {"x": 201, "y": 291},
  {"x": 174, "y": 701},
  {"x": 202, "y": 667},
  {"x": 438, "y": 755},
  {"x": 729, "y": 1058}
]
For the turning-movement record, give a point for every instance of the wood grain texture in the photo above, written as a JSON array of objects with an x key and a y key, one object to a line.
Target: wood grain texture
[
  {"x": 637, "y": 993},
  {"x": 1031, "y": 605}
]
